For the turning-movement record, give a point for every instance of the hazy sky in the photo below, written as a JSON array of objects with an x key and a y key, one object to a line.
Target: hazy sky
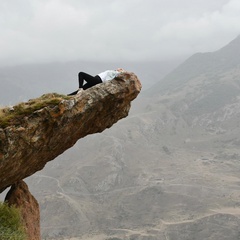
[{"x": 138, "y": 30}]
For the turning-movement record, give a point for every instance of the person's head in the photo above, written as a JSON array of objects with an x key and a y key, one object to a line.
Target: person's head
[{"x": 120, "y": 69}]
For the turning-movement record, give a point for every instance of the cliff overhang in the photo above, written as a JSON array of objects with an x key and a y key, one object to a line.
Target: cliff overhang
[{"x": 44, "y": 128}]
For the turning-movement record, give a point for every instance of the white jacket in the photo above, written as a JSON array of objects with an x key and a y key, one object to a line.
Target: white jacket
[{"x": 108, "y": 75}]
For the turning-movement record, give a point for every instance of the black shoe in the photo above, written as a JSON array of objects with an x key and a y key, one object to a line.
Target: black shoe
[{"x": 73, "y": 93}]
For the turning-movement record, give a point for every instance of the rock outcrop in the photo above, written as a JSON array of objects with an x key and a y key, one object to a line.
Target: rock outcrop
[
  {"x": 20, "y": 197},
  {"x": 35, "y": 137}
]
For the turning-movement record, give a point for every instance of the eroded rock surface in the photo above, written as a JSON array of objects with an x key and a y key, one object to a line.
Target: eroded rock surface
[
  {"x": 20, "y": 197},
  {"x": 42, "y": 135}
]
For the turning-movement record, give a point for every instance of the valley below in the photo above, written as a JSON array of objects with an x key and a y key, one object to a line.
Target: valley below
[{"x": 136, "y": 190}]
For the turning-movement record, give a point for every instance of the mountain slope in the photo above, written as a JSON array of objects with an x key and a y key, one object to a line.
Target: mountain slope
[
  {"x": 203, "y": 91},
  {"x": 209, "y": 65}
]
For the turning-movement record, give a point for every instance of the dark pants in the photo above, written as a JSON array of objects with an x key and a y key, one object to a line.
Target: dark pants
[{"x": 90, "y": 81}]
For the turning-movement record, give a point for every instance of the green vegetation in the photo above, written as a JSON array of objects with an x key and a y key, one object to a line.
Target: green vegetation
[
  {"x": 10, "y": 223},
  {"x": 12, "y": 115}
]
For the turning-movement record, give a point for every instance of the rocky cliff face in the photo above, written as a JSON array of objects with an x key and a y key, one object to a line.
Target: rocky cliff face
[{"x": 30, "y": 140}]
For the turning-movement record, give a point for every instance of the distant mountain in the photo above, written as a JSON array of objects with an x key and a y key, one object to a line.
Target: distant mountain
[
  {"x": 210, "y": 65},
  {"x": 203, "y": 89}
]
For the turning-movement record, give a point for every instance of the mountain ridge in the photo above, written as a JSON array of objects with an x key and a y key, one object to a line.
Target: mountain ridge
[{"x": 217, "y": 62}]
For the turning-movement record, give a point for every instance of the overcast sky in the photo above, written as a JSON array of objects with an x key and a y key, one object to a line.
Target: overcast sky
[{"x": 113, "y": 30}]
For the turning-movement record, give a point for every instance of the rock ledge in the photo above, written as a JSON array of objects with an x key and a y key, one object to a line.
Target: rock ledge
[{"x": 39, "y": 136}]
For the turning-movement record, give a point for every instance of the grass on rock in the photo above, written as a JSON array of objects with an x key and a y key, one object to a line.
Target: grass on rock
[
  {"x": 10, "y": 115},
  {"x": 11, "y": 227}
]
